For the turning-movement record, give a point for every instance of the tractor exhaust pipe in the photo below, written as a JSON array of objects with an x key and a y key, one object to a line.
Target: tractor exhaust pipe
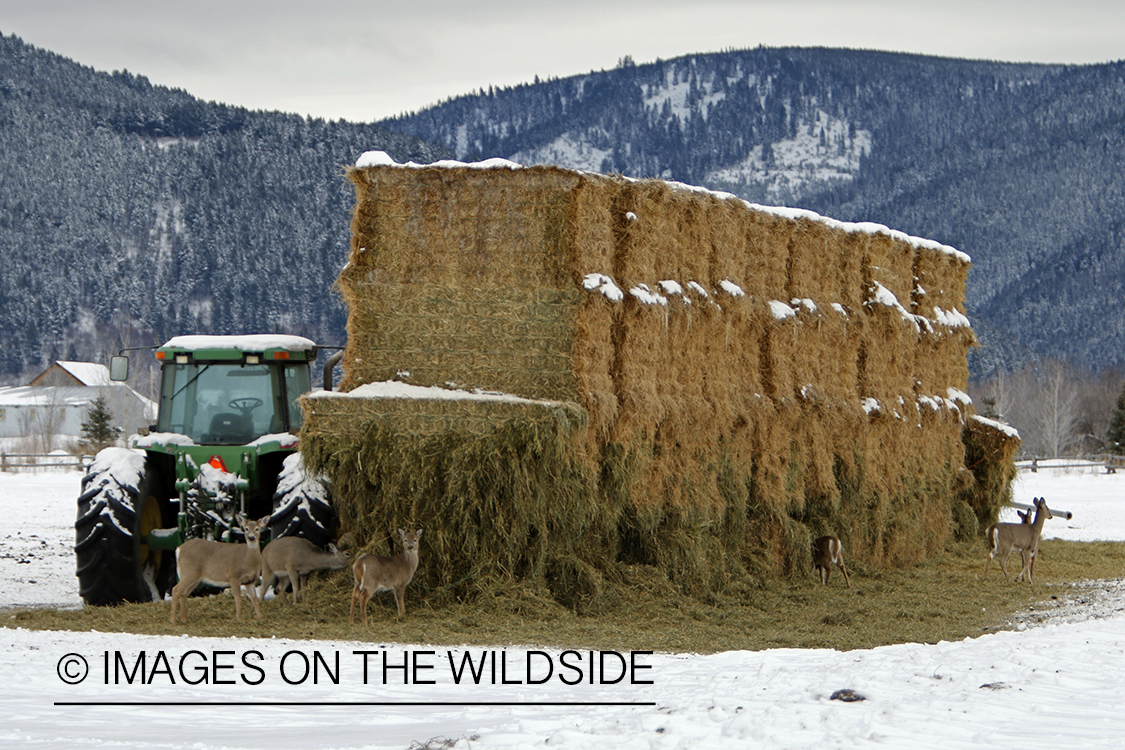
[
  {"x": 1054, "y": 512},
  {"x": 329, "y": 366}
]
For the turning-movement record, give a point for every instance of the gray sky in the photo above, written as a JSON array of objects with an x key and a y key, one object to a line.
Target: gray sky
[{"x": 369, "y": 59}]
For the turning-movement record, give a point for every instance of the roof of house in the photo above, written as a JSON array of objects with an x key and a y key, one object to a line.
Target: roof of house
[
  {"x": 66, "y": 395},
  {"x": 85, "y": 373},
  {"x": 88, "y": 373}
]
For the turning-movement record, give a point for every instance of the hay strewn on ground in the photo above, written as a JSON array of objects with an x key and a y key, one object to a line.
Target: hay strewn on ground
[{"x": 719, "y": 383}]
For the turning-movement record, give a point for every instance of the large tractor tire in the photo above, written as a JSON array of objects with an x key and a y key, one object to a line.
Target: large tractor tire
[
  {"x": 302, "y": 506},
  {"x": 116, "y": 510}
]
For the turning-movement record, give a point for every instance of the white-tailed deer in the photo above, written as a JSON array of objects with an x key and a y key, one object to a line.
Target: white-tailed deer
[
  {"x": 220, "y": 564},
  {"x": 294, "y": 558},
  {"x": 1002, "y": 538},
  {"x": 828, "y": 550},
  {"x": 378, "y": 573}
]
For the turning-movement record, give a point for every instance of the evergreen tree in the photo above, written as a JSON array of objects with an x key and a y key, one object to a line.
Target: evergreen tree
[
  {"x": 97, "y": 430},
  {"x": 1115, "y": 435}
]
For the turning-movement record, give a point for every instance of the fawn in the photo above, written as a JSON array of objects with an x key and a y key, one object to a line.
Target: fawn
[
  {"x": 378, "y": 573},
  {"x": 828, "y": 550},
  {"x": 294, "y": 558},
  {"x": 220, "y": 564},
  {"x": 1002, "y": 538}
]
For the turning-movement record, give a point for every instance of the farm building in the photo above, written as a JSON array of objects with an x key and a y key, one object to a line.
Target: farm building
[
  {"x": 56, "y": 402},
  {"x": 566, "y": 376}
]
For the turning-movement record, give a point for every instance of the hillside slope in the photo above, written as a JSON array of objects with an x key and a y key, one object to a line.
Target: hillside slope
[
  {"x": 131, "y": 212},
  {"x": 1016, "y": 164}
]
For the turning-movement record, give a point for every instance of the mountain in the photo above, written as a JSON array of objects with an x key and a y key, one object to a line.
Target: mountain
[
  {"x": 1019, "y": 165},
  {"x": 131, "y": 212}
]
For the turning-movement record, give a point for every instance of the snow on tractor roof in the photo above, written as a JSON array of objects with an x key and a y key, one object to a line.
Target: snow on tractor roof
[{"x": 246, "y": 343}]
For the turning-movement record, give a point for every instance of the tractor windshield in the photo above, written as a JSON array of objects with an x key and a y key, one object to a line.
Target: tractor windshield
[{"x": 225, "y": 404}]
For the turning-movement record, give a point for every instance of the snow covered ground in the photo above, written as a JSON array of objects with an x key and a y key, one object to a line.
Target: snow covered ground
[{"x": 1032, "y": 687}]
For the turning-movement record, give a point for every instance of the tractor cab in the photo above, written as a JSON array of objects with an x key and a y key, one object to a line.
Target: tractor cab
[{"x": 233, "y": 390}]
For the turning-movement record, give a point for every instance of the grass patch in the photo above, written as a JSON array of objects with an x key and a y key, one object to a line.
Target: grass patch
[{"x": 944, "y": 598}]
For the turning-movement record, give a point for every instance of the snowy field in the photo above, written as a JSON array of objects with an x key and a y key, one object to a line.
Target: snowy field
[{"x": 1029, "y": 687}]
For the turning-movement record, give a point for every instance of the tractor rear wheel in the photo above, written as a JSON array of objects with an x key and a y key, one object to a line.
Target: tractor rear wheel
[
  {"x": 302, "y": 506},
  {"x": 116, "y": 510}
]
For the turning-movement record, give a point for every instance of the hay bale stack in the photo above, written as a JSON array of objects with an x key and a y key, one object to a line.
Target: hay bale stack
[{"x": 708, "y": 384}]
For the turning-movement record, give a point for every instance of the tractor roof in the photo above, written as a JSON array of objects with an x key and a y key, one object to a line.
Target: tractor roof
[{"x": 235, "y": 347}]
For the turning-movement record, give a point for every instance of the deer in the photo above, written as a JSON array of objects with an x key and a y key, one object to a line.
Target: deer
[
  {"x": 1026, "y": 517},
  {"x": 828, "y": 550},
  {"x": 1002, "y": 538},
  {"x": 375, "y": 573},
  {"x": 294, "y": 558},
  {"x": 220, "y": 564}
]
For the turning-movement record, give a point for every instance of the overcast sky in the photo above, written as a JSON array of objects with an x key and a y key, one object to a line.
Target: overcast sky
[{"x": 365, "y": 60}]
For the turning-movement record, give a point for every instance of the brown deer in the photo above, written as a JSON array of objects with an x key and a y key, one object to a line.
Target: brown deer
[
  {"x": 828, "y": 550},
  {"x": 1002, "y": 538},
  {"x": 220, "y": 564},
  {"x": 293, "y": 558},
  {"x": 377, "y": 573}
]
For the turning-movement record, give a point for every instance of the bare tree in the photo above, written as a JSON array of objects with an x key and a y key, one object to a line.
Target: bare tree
[
  {"x": 1059, "y": 410},
  {"x": 1052, "y": 404}
]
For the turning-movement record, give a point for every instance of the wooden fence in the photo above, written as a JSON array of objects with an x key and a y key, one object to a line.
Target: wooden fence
[
  {"x": 26, "y": 461},
  {"x": 1110, "y": 462}
]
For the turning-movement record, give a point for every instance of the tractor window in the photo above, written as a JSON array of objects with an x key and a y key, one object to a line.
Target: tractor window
[
  {"x": 219, "y": 404},
  {"x": 297, "y": 383}
]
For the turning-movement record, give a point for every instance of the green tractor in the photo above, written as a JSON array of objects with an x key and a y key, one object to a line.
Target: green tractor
[{"x": 225, "y": 442}]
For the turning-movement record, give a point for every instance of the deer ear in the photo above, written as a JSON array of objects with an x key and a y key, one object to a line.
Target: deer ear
[
  {"x": 402, "y": 533},
  {"x": 418, "y": 534}
]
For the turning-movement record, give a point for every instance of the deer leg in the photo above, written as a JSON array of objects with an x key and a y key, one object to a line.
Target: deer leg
[
  {"x": 1028, "y": 558},
  {"x": 1004, "y": 566},
  {"x": 400, "y": 599},
  {"x": 236, "y": 589},
  {"x": 254, "y": 599},
  {"x": 364, "y": 597},
  {"x": 294, "y": 582}
]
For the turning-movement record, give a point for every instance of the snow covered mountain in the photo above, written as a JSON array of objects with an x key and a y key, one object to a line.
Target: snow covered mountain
[
  {"x": 130, "y": 212},
  {"x": 1018, "y": 165}
]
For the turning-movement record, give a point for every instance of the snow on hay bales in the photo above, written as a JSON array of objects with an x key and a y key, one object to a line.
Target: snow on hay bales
[{"x": 707, "y": 385}]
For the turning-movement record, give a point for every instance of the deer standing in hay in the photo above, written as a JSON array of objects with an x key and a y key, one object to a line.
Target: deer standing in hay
[
  {"x": 828, "y": 551},
  {"x": 294, "y": 558},
  {"x": 220, "y": 564},
  {"x": 375, "y": 573},
  {"x": 1002, "y": 538}
]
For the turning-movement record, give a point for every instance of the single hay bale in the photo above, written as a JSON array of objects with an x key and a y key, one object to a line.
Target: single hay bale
[
  {"x": 966, "y": 525},
  {"x": 990, "y": 451},
  {"x": 816, "y": 268}
]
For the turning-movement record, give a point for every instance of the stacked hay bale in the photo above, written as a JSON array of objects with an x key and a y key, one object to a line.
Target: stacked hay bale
[{"x": 692, "y": 382}]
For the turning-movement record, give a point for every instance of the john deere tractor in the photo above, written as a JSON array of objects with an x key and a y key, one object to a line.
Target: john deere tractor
[{"x": 225, "y": 442}]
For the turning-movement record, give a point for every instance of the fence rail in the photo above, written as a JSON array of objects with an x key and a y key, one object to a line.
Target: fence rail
[
  {"x": 1110, "y": 462},
  {"x": 22, "y": 461}
]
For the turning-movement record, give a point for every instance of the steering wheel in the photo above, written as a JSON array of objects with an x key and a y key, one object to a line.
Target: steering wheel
[{"x": 245, "y": 405}]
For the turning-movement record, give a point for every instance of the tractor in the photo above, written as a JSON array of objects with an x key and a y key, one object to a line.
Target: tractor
[{"x": 225, "y": 442}]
